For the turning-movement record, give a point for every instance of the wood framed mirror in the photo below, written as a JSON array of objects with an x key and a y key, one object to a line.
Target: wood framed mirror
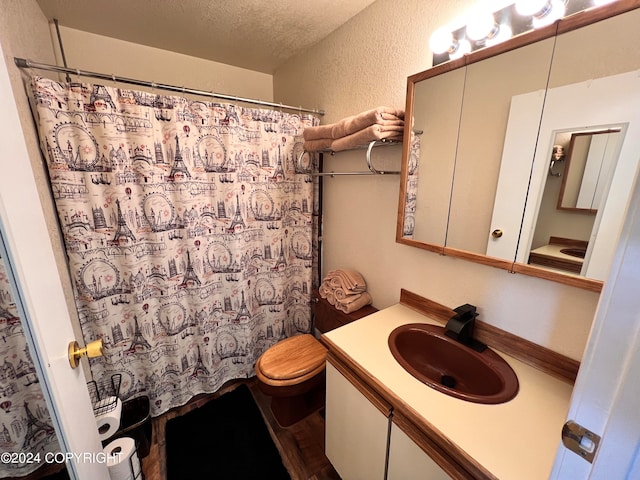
[{"x": 486, "y": 154}]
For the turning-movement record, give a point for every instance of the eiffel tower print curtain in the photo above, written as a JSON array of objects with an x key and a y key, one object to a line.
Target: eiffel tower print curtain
[
  {"x": 188, "y": 228},
  {"x": 26, "y": 432}
]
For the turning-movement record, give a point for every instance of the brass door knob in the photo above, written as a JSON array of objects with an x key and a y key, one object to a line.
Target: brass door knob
[
  {"x": 93, "y": 349},
  {"x": 497, "y": 233}
]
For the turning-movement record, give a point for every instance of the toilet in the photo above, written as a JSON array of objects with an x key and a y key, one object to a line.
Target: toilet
[{"x": 292, "y": 373}]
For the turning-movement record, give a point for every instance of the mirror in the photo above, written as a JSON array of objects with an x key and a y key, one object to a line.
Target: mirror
[
  {"x": 507, "y": 129},
  {"x": 433, "y": 155},
  {"x": 589, "y": 162},
  {"x": 490, "y": 85}
]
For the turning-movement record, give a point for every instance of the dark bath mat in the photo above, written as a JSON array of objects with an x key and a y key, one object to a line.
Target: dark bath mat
[{"x": 225, "y": 439}]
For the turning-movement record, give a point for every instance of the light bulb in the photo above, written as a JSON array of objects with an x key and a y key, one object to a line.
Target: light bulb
[
  {"x": 481, "y": 26},
  {"x": 463, "y": 47},
  {"x": 531, "y": 7},
  {"x": 555, "y": 12},
  {"x": 504, "y": 33},
  {"x": 441, "y": 41}
]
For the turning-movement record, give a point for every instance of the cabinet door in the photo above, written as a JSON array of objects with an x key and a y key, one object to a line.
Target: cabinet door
[
  {"x": 356, "y": 431},
  {"x": 407, "y": 461}
]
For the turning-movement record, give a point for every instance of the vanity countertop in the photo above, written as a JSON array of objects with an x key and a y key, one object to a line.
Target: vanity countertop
[
  {"x": 554, "y": 250},
  {"x": 513, "y": 440}
]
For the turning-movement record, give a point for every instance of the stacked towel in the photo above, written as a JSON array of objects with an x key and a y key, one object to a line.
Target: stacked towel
[
  {"x": 382, "y": 123},
  {"x": 346, "y": 290}
]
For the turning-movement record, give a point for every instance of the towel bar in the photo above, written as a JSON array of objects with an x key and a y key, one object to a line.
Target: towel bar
[{"x": 372, "y": 170}]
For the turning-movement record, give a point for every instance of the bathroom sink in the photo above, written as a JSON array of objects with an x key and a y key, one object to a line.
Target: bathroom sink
[
  {"x": 450, "y": 367},
  {"x": 574, "y": 251}
]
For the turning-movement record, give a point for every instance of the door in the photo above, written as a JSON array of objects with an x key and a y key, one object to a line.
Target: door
[
  {"x": 356, "y": 430},
  {"x": 605, "y": 397},
  {"x": 40, "y": 300}
]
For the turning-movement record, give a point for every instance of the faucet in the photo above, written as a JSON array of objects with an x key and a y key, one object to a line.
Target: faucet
[{"x": 460, "y": 327}]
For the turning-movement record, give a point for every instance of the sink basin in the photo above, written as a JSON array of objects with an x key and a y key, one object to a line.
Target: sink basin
[
  {"x": 446, "y": 365},
  {"x": 574, "y": 251}
]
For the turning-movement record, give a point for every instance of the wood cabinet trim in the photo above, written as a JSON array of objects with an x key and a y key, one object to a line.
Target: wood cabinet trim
[{"x": 544, "y": 359}]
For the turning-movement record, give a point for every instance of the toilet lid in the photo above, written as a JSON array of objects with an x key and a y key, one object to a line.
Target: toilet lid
[{"x": 292, "y": 358}]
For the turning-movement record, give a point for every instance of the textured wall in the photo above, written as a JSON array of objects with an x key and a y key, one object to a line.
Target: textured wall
[
  {"x": 362, "y": 65},
  {"x": 102, "y": 54},
  {"x": 24, "y": 32}
]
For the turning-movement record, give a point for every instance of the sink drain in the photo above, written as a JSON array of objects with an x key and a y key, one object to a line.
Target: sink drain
[{"x": 448, "y": 381}]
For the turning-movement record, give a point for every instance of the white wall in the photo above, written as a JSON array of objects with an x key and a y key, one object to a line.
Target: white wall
[{"x": 365, "y": 64}]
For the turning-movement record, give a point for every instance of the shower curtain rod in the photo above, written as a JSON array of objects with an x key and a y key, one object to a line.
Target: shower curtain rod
[{"x": 26, "y": 63}]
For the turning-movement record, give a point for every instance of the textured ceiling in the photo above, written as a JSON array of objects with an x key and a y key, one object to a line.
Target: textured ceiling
[{"x": 256, "y": 34}]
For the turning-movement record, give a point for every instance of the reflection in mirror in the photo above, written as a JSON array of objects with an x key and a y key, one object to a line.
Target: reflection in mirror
[
  {"x": 490, "y": 86},
  {"x": 588, "y": 166},
  {"x": 437, "y": 102},
  {"x": 562, "y": 233},
  {"x": 25, "y": 425},
  {"x": 593, "y": 86}
]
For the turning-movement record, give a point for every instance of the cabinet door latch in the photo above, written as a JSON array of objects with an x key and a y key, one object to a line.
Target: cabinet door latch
[{"x": 580, "y": 440}]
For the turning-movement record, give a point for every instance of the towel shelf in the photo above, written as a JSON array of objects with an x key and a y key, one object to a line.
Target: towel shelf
[{"x": 372, "y": 170}]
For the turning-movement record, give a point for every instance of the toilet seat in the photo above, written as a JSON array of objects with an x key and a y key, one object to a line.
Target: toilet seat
[{"x": 291, "y": 361}]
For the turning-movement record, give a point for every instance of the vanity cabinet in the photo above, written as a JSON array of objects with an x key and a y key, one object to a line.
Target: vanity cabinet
[
  {"x": 356, "y": 429},
  {"x": 379, "y": 414},
  {"x": 364, "y": 440},
  {"x": 407, "y": 461}
]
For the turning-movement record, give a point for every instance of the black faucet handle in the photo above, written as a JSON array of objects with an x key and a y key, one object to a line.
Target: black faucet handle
[{"x": 466, "y": 311}]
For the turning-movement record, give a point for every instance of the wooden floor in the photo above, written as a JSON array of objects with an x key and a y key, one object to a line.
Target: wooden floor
[{"x": 301, "y": 445}]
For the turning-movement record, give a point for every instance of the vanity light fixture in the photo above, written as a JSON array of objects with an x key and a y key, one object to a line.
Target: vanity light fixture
[
  {"x": 485, "y": 31},
  {"x": 543, "y": 12},
  {"x": 488, "y": 29},
  {"x": 481, "y": 27},
  {"x": 442, "y": 41}
]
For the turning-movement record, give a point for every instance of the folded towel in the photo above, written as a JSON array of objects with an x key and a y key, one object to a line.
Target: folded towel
[
  {"x": 347, "y": 126},
  {"x": 315, "y": 145},
  {"x": 353, "y": 304},
  {"x": 374, "y": 132},
  {"x": 380, "y": 115},
  {"x": 349, "y": 280},
  {"x": 339, "y": 294},
  {"x": 324, "y": 290}
]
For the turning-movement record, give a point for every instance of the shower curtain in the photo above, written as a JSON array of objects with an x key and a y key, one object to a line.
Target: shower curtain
[
  {"x": 188, "y": 230},
  {"x": 26, "y": 431}
]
